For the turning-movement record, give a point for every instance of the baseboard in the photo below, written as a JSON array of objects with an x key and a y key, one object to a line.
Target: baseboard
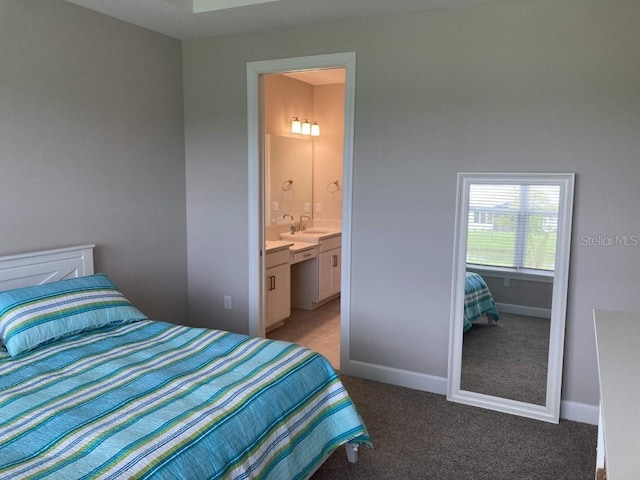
[
  {"x": 573, "y": 411},
  {"x": 395, "y": 376},
  {"x": 524, "y": 310},
  {"x": 579, "y": 412}
]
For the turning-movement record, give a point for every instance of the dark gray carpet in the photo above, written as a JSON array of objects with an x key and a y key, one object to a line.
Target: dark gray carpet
[
  {"x": 419, "y": 435},
  {"x": 507, "y": 359}
]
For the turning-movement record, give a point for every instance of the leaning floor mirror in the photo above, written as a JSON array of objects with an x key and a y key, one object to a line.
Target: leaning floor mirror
[{"x": 509, "y": 292}]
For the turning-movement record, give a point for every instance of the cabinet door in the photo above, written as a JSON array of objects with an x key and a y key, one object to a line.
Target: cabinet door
[
  {"x": 329, "y": 273},
  {"x": 336, "y": 271},
  {"x": 278, "y": 286}
]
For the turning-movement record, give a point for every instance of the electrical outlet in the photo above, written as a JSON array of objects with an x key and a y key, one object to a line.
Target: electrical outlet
[
  {"x": 307, "y": 207},
  {"x": 507, "y": 282},
  {"x": 227, "y": 302},
  {"x": 274, "y": 206},
  {"x": 318, "y": 207}
]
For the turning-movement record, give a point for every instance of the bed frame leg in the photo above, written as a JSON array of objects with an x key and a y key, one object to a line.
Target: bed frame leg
[{"x": 352, "y": 452}]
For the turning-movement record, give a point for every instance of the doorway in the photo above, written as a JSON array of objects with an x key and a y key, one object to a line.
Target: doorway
[
  {"x": 256, "y": 71},
  {"x": 303, "y": 191}
]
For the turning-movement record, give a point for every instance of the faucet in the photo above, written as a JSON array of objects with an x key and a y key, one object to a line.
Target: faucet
[
  {"x": 302, "y": 225},
  {"x": 292, "y": 227}
]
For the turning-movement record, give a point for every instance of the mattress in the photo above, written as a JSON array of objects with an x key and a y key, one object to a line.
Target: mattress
[{"x": 151, "y": 399}]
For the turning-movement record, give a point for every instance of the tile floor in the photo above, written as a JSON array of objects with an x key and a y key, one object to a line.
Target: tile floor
[{"x": 318, "y": 329}]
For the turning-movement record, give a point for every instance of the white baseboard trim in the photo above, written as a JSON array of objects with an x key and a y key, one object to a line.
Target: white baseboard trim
[
  {"x": 573, "y": 411},
  {"x": 524, "y": 310},
  {"x": 579, "y": 412},
  {"x": 396, "y": 376}
]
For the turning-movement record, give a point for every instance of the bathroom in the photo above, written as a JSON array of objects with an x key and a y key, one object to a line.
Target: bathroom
[{"x": 303, "y": 193}]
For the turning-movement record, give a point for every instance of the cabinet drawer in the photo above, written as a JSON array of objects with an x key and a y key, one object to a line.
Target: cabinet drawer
[
  {"x": 304, "y": 255},
  {"x": 277, "y": 258},
  {"x": 330, "y": 243}
]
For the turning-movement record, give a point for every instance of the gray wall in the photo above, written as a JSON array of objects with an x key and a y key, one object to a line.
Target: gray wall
[
  {"x": 523, "y": 293},
  {"x": 535, "y": 85},
  {"x": 92, "y": 146}
]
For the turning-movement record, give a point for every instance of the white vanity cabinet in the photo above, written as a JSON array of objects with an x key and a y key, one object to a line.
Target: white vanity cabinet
[
  {"x": 315, "y": 273},
  {"x": 329, "y": 269},
  {"x": 277, "y": 286}
]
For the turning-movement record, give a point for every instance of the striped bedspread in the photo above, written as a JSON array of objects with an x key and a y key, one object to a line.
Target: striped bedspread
[
  {"x": 156, "y": 400},
  {"x": 478, "y": 300}
]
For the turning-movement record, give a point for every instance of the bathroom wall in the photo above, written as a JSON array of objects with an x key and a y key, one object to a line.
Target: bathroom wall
[
  {"x": 328, "y": 111},
  {"x": 285, "y": 98}
]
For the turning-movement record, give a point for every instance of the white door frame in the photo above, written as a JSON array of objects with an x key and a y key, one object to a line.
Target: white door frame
[{"x": 255, "y": 130}]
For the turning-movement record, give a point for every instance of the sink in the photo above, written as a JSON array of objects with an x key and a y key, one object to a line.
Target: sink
[{"x": 311, "y": 235}]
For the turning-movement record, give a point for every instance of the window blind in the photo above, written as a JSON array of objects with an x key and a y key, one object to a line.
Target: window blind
[{"x": 513, "y": 225}]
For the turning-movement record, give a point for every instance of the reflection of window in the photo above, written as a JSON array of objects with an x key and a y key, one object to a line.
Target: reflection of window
[{"x": 513, "y": 226}]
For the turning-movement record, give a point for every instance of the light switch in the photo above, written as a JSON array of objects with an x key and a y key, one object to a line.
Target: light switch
[
  {"x": 307, "y": 207},
  {"x": 318, "y": 207}
]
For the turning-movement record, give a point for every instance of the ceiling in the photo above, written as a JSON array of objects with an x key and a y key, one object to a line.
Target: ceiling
[
  {"x": 328, "y": 76},
  {"x": 176, "y": 18}
]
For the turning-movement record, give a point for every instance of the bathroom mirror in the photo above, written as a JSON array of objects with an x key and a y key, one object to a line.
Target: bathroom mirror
[
  {"x": 509, "y": 292},
  {"x": 288, "y": 174}
]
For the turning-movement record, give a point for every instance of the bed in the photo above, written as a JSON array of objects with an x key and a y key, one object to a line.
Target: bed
[
  {"x": 112, "y": 394},
  {"x": 478, "y": 301}
]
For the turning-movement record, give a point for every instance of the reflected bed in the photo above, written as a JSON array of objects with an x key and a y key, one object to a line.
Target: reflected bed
[{"x": 478, "y": 301}]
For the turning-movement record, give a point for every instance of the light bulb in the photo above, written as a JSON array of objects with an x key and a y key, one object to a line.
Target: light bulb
[{"x": 295, "y": 125}]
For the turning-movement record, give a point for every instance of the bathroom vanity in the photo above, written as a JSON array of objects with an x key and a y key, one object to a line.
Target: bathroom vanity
[
  {"x": 302, "y": 270},
  {"x": 315, "y": 267}
]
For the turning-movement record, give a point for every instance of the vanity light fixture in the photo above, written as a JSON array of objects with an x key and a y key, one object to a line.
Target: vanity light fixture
[
  {"x": 296, "y": 126},
  {"x": 306, "y": 128}
]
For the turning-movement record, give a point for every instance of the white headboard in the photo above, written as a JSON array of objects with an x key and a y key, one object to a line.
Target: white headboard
[{"x": 36, "y": 268}]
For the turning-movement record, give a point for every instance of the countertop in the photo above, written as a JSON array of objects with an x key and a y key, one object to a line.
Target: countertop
[
  {"x": 277, "y": 245},
  {"x": 300, "y": 246},
  {"x": 295, "y": 247},
  {"x": 319, "y": 234}
]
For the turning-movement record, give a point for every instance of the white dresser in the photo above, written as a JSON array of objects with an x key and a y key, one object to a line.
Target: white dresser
[{"x": 618, "y": 347}]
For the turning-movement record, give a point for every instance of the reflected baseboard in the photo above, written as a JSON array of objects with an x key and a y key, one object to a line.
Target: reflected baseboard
[{"x": 523, "y": 310}]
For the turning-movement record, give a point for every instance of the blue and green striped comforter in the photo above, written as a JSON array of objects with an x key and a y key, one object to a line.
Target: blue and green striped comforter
[
  {"x": 478, "y": 300},
  {"x": 156, "y": 400}
]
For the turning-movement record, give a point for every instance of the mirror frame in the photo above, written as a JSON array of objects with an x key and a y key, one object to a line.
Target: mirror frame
[{"x": 549, "y": 412}]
